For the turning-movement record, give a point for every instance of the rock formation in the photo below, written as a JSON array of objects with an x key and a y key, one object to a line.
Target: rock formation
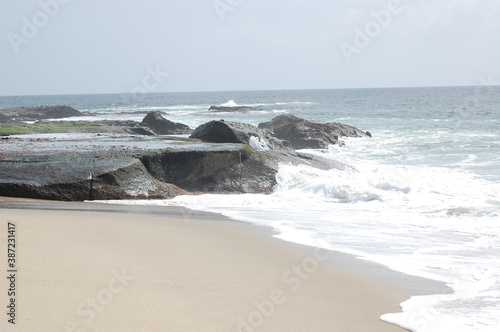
[
  {"x": 162, "y": 126},
  {"x": 307, "y": 134},
  {"x": 236, "y": 132},
  {"x": 232, "y": 158},
  {"x": 226, "y": 168},
  {"x": 38, "y": 113},
  {"x": 77, "y": 177}
]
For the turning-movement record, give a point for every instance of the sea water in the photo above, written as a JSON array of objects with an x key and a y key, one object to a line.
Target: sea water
[{"x": 422, "y": 196}]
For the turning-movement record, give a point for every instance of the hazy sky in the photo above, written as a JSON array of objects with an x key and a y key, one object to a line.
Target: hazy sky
[{"x": 107, "y": 46}]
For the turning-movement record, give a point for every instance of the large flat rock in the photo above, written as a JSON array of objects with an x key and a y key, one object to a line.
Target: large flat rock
[
  {"x": 88, "y": 166},
  {"x": 78, "y": 177}
]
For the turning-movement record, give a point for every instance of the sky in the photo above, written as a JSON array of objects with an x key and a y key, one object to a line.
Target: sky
[{"x": 120, "y": 46}]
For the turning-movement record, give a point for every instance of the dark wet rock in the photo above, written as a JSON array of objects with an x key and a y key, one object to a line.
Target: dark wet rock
[
  {"x": 162, "y": 126},
  {"x": 307, "y": 134},
  {"x": 38, "y": 113},
  {"x": 225, "y": 132},
  {"x": 236, "y": 132},
  {"x": 219, "y": 109},
  {"x": 368, "y": 134},
  {"x": 346, "y": 130},
  {"x": 226, "y": 168},
  {"x": 232, "y": 169},
  {"x": 301, "y": 134},
  {"x": 78, "y": 177},
  {"x": 127, "y": 172}
]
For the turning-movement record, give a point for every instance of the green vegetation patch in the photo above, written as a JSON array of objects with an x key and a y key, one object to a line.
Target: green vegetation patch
[{"x": 38, "y": 128}]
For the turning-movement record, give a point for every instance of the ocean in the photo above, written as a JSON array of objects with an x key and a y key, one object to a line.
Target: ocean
[{"x": 424, "y": 198}]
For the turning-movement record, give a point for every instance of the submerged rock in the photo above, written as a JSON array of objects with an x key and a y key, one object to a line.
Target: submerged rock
[
  {"x": 307, "y": 134},
  {"x": 162, "y": 126}
]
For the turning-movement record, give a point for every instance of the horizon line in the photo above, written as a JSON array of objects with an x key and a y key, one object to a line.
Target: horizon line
[{"x": 251, "y": 90}]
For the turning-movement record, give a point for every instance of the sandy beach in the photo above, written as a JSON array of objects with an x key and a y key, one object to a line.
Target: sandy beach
[{"x": 91, "y": 267}]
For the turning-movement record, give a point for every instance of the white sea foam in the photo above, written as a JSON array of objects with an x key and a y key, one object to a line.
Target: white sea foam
[
  {"x": 229, "y": 103},
  {"x": 232, "y": 103}
]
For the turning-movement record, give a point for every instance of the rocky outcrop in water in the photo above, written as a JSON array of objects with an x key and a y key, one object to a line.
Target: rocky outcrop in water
[
  {"x": 162, "y": 126},
  {"x": 37, "y": 113},
  {"x": 122, "y": 172},
  {"x": 232, "y": 158},
  {"x": 307, "y": 134},
  {"x": 220, "y": 109},
  {"x": 226, "y": 168},
  {"x": 231, "y": 169}
]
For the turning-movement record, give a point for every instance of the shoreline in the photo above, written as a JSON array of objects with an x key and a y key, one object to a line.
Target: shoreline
[{"x": 233, "y": 275}]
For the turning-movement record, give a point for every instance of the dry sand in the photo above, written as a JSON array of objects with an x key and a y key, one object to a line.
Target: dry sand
[{"x": 156, "y": 269}]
